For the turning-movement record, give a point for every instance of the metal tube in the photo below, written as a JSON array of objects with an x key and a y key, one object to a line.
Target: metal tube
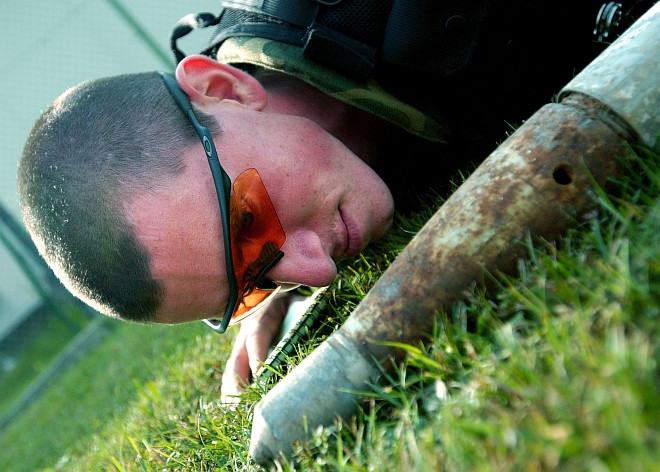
[
  {"x": 537, "y": 182},
  {"x": 625, "y": 77}
]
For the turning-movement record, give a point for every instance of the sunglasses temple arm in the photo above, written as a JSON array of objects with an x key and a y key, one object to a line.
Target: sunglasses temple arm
[
  {"x": 222, "y": 184},
  {"x": 219, "y": 175}
]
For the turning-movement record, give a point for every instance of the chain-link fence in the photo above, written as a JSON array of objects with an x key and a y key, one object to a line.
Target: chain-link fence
[{"x": 34, "y": 348}]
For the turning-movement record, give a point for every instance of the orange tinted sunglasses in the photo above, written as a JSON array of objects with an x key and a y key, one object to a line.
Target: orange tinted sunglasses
[
  {"x": 251, "y": 231},
  {"x": 256, "y": 238}
]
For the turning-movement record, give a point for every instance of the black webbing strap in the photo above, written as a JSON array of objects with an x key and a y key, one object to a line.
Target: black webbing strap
[
  {"x": 292, "y": 22},
  {"x": 297, "y": 12},
  {"x": 185, "y": 25}
]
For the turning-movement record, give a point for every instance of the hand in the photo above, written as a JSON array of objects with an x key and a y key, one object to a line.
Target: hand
[{"x": 251, "y": 348}]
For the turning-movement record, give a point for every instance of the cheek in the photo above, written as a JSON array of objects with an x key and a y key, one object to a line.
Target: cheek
[
  {"x": 301, "y": 173},
  {"x": 305, "y": 152},
  {"x": 296, "y": 200}
]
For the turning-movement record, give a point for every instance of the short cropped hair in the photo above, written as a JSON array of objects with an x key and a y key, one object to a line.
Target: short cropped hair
[{"x": 93, "y": 148}]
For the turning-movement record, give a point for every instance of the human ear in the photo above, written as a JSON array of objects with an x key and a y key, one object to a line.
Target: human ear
[{"x": 207, "y": 82}]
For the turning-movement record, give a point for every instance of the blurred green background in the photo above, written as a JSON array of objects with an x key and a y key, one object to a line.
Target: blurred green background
[{"x": 48, "y": 47}]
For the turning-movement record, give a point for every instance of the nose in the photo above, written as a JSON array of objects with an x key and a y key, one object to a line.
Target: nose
[{"x": 305, "y": 261}]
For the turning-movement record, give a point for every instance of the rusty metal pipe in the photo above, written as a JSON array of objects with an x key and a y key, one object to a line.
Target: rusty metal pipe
[{"x": 538, "y": 182}]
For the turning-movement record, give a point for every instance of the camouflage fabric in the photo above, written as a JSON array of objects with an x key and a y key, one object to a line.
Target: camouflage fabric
[{"x": 368, "y": 96}]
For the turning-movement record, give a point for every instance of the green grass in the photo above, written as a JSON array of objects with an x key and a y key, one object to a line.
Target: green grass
[
  {"x": 553, "y": 369},
  {"x": 100, "y": 387}
]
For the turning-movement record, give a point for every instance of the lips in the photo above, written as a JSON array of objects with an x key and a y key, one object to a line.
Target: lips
[{"x": 355, "y": 240}]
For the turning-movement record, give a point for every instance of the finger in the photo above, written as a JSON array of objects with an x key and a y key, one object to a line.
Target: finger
[
  {"x": 260, "y": 331},
  {"x": 237, "y": 373},
  {"x": 256, "y": 345}
]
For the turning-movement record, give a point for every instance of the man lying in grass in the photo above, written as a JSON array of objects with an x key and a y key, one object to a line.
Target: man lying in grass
[{"x": 116, "y": 191}]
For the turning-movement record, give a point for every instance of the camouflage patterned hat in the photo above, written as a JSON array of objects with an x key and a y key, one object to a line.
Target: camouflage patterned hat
[{"x": 367, "y": 96}]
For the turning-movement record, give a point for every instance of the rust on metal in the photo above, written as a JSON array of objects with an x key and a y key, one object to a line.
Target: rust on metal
[{"x": 538, "y": 182}]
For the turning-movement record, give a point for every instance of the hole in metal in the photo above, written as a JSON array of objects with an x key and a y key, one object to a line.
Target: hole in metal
[{"x": 562, "y": 175}]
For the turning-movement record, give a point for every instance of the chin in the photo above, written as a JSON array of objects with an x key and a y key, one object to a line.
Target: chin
[
  {"x": 385, "y": 215},
  {"x": 385, "y": 227}
]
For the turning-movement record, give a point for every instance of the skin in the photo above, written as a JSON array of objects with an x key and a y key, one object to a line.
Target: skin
[{"x": 330, "y": 202}]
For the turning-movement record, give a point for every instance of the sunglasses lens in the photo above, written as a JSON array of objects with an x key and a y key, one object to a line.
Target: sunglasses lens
[
  {"x": 252, "y": 303},
  {"x": 256, "y": 238}
]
